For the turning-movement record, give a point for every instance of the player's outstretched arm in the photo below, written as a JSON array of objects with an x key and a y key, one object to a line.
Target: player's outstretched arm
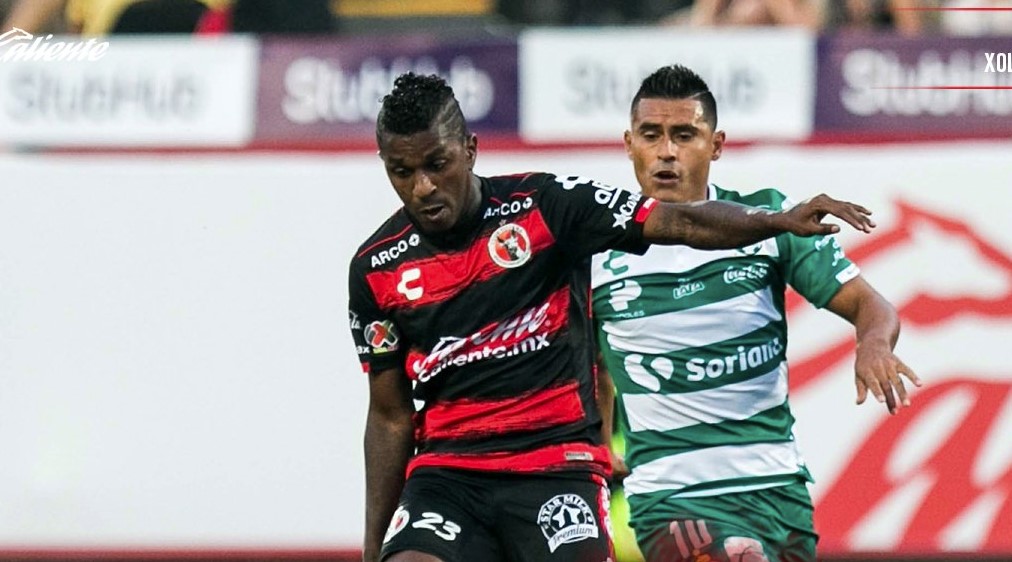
[
  {"x": 876, "y": 369},
  {"x": 713, "y": 225},
  {"x": 389, "y": 443}
]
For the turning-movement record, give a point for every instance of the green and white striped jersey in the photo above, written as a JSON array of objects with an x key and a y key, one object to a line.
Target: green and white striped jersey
[{"x": 696, "y": 343}]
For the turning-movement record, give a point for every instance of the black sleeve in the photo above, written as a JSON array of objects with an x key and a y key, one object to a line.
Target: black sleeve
[
  {"x": 587, "y": 216},
  {"x": 378, "y": 341}
]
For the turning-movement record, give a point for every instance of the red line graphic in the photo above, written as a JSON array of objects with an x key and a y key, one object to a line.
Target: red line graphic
[
  {"x": 943, "y": 88},
  {"x": 966, "y": 9}
]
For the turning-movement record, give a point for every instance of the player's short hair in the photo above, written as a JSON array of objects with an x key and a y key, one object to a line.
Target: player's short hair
[
  {"x": 417, "y": 103},
  {"x": 676, "y": 82}
]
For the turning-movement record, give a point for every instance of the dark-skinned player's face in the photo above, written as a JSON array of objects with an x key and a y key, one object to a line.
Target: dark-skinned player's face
[
  {"x": 431, "y": 173},
  {"x": 671, "y": 146}
]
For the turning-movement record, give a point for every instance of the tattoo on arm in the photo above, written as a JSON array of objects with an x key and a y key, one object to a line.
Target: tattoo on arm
[{"x": 709, "y": 225}]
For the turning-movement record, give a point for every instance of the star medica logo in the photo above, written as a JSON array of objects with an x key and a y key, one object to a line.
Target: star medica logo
[{"x": 17, "y": 45}]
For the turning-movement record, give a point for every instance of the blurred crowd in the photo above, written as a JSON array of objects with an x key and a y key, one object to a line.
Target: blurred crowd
[
  {"x": 98, "y": 17},
  {"x": 907, "y": 17}
]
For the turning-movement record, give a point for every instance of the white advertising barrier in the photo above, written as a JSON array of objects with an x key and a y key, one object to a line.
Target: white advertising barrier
[
  {"x": 577, "y": 84},
  {"x": 134, "y": 92},
  {"x": 176, "y": 368}
]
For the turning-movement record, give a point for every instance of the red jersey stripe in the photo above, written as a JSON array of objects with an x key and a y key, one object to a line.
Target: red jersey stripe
[
  {"x": 443, "y": 276},
  {"x": 529, "y": 411},
  {"x": 553, "y": 457}
]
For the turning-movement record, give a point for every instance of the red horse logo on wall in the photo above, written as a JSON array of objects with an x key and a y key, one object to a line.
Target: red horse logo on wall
[{"x": 938, "y": 476}]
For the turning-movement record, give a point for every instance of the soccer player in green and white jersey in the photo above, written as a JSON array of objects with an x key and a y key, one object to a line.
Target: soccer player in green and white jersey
[{"x": 696, "y": 340}]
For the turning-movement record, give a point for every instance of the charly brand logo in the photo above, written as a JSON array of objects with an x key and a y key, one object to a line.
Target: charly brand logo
[
  {"x": 410, "y": 285},
  {"x": 621, "y": 293},
  {"x": 17, "y": 45}
]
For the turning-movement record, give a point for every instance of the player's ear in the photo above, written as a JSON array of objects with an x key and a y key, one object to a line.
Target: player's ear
[
  {"x": 471, "y": 146},
  {"x": 627, "y": 137},
  {"x": 718, "y": 145}
]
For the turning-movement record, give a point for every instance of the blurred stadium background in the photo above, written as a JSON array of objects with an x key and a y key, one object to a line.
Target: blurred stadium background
[{"x": 178, "y": 210}]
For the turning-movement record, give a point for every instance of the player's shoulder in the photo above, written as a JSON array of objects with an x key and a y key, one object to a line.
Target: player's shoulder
[
  {"x": 393, "y": 231},
  {"x": 511, "y": 183},
  {"x": 768, "y": 198}
]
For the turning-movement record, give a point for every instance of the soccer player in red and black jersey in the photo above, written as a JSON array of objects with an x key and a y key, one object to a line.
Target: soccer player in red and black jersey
[{"x": 469, "y": 309}]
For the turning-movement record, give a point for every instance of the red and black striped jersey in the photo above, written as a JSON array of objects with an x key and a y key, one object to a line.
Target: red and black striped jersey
[{"x": 492, "y": 321}]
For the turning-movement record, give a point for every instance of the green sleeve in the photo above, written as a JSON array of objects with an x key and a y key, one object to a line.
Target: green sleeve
[{"x": 815, "y": 266}]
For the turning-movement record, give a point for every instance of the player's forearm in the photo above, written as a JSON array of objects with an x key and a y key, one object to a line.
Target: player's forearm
[
  {"x": 876, "y": 322},
  {"x": 711, "y": 225},
  {"x": 388, "y": 446}
]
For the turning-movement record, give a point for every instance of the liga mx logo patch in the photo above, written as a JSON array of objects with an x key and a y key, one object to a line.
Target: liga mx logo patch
[
  {"x": 566, "y": 518},
  {"x": 381, "y": 336},
  {"x": 509, "y": 246}
]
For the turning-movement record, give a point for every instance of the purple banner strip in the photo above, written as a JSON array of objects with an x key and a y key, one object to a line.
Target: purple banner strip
[
  {"x": 330, "y": 90},
  {"x": 894, "y": 85}
]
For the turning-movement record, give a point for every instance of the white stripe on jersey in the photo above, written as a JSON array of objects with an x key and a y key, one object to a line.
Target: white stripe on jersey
[
  {"x": 737, "y": 489},
  {"x": 674, "y": 472},
  {"x": 738, "y": 401},
  {"x": 667, "y": 333},
  {"x": 668, "y": 259}
]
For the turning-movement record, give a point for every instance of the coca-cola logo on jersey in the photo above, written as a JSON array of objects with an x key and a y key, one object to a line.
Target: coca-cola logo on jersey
[
  {"x": 937, "y": 477},
  {"x": 526, "y": 331}
]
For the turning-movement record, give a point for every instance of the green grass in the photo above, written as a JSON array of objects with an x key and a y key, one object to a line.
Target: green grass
[{"x": 625, "y": 541}]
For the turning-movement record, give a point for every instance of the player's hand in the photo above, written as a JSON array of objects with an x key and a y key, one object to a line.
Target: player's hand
[
  {"x": 619, "y": 470},
  {"x": 805, "y": 218},
  {"x": 879, "y": 371}
]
